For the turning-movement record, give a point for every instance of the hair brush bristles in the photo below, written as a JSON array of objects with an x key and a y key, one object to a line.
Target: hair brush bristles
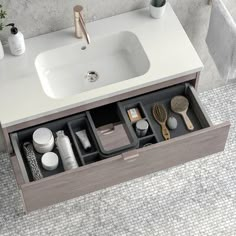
[
  {"x": 179, "y": 104},
  {"x": 159, "y": 113}
]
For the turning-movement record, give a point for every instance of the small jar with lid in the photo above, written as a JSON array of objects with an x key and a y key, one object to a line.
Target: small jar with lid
[
  {"x": 142, "y": 128},
  {"x": 43, "y": 140}
]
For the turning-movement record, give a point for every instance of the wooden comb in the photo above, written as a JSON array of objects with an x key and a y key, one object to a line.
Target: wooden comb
[{"x": 160, "y": 115}]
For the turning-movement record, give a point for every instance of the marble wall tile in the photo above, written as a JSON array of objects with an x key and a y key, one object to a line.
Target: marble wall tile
[{"x": 35, "y": 17}]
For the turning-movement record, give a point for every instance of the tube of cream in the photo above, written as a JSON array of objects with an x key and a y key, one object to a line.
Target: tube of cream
[{"x": 83, "y": 138}]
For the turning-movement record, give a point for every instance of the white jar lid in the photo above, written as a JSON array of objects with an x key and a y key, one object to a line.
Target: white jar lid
[
  {"x": 42, "y": 136},
  {"x": 50, "y": 161}
]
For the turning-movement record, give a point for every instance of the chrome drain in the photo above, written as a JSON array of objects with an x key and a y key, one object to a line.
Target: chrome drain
[{"x": 92, "y": 76}]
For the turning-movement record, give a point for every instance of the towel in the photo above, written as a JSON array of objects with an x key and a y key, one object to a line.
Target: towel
[{"x": 221, "y": 40}]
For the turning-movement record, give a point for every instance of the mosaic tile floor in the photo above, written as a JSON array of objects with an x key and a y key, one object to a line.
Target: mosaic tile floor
[{"x": 198, "y": 198}]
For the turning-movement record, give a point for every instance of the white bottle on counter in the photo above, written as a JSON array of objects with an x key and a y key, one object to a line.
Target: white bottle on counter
[
  {"x": 1, "y": 51},
  {"x": 16, "y": 41},
  {"x": 66, "y": 152}
]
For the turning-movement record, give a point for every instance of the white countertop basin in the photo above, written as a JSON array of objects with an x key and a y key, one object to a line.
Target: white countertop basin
[
  {"x": 165, "y": 43},
  {"x": 78, "y": 68}
]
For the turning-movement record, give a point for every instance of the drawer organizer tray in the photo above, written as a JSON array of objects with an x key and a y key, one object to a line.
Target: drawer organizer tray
[
  {"x": 150, "y": 137},
  {"x": 146, "y": 102},
  {"x": 81, "y": 123},
  {"x": 115, "y": 140},
  {"x": 95, "y": 172},
  {"x": 19, "y": 138}
]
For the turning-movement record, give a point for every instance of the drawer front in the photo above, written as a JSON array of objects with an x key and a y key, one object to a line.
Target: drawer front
[
  {"x": 17, "y": 170},
  {"x": 18, "y": 163},
  {"x": 122, "y": 168},
  {"x": 185, "y": 148}
]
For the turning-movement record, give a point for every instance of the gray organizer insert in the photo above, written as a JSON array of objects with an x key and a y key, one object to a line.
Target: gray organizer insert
[
  {"x": 116, "y": 112},
  {"x": 164, "y": 96},
  {"x": 110, "y": 114},
  {"x": 124, "y": 106},
  {"x": 26, "y": 136},
  {"x": 87, "y": 156}
]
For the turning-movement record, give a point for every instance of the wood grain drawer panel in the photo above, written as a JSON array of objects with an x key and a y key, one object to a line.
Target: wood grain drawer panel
[
  {"x": 120, "y": 168},
  {"x": 19, "y": 166},
  {"x": 185, "y": 148},
  {"x": 17, "y": 170}
]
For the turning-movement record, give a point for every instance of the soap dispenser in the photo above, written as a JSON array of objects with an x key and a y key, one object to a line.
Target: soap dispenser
[{"x": 16, "y": 41}]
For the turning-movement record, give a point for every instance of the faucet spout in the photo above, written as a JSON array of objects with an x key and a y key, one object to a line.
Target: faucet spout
[{"x": 80, "y": 27}]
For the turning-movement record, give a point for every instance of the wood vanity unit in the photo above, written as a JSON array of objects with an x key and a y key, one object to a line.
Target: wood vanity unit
[{"x": 96, "y": 171}]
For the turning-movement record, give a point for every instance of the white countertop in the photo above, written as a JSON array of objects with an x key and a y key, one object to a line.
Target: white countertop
[{"x": 166, "y": 44}]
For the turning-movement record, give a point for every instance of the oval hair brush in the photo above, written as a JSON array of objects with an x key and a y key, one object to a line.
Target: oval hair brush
[
  {"x": 180, "y": 104},
  {"x": 160, "y": 115}
]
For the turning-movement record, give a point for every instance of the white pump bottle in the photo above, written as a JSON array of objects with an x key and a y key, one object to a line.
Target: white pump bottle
[{"x": 16, "y": 41}]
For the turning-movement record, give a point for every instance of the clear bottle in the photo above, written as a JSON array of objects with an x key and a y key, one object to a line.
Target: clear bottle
[{"x": 66, "y": 152}]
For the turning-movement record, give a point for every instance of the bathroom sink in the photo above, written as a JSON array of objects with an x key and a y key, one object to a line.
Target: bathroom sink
[{"x": 78, "y": 68}]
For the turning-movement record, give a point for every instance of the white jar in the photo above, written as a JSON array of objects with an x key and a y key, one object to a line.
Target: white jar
[
  {"x": 50, "y": 161},
  {"x": 43, "y": 140},
  {"x": 1, "y": 51},
  {"x": 66, "y": 152}
]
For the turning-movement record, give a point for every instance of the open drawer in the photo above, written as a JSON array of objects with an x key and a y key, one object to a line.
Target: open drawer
[{"x": 98, "y": 173}]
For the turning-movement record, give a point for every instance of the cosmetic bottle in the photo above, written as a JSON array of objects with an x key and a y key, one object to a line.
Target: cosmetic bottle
[
  {"x": 66, "y": 152},
  {"x": 16, "y": 41}
]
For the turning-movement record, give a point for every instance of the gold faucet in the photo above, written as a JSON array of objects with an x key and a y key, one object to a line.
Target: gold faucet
[{"x": 80, "y": 28}]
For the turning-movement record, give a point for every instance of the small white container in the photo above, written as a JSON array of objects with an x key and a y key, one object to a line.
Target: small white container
[
  {"x": 142, "y": 128},
  {"x": 157, "y": 12},
  {"x": 1, "y": 51},
  {"x": 43, "y": 140},
  {"x": 50, "y": 161}
]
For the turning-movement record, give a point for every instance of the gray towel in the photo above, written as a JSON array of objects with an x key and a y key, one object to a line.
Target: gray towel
[{"x": 221, "y": 40}]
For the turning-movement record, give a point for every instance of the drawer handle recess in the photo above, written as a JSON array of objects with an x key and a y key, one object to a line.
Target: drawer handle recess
[{"x": 130, "y": 156}]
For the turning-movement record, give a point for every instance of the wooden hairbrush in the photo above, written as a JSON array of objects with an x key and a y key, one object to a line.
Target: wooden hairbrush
[
  {"x": 180, "y": 104},
  {"x": 160, "y": 115}
]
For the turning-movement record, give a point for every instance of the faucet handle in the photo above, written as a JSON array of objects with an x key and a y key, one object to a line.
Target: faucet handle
[
  {"x": 77, "y": 19},
  {"x": 78, "y": 9},
  {"x": 80, "y": 28},
  {"x": 78, "y": 13}
]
